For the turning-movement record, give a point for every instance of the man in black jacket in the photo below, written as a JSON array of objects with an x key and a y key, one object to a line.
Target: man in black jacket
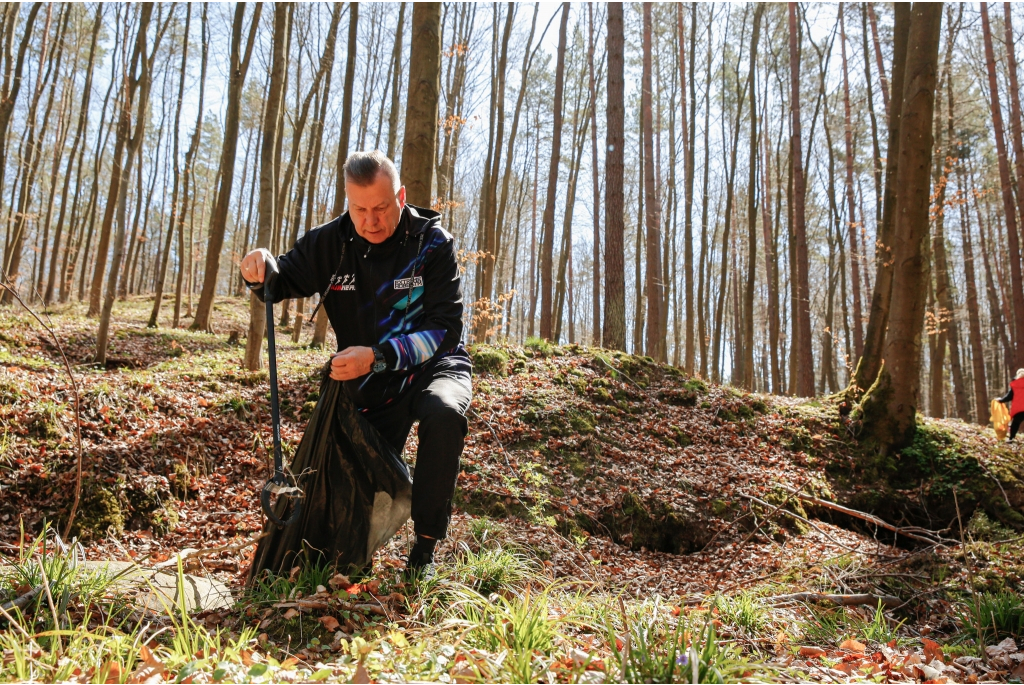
[{"x": 390, "y": 283}]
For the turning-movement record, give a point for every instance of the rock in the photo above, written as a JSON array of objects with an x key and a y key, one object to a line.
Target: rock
[{"x": 157, "y": 589}]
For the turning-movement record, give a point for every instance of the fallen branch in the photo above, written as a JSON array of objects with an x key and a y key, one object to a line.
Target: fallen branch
[
  {"x": 912, "y": 532},
  {"x": 21, "y": 602},
  {"x": 187, "y": 554},
  {"x": 798, "y": 517},
  {"x": 74, "y": 390},
  {"x": 868, "y": 599}
]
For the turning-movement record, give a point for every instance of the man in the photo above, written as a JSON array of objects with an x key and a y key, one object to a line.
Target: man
[{"x": 390, "y": 284}]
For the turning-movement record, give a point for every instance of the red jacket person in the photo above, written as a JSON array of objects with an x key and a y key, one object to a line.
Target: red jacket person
[{"x": 1015, "y": 398}]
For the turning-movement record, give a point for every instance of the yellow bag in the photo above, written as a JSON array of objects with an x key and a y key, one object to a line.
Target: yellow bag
[{"x": 1000, "y": 419}]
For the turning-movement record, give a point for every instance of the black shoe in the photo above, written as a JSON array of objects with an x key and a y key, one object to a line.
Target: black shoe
[{"x": 420, "y": 564}]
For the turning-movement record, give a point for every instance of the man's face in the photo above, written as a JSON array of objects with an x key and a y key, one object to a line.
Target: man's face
[{"x": 375, "y": 209}]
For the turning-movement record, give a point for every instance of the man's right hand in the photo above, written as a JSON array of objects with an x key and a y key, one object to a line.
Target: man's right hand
[{"x": 253, "y": 266}]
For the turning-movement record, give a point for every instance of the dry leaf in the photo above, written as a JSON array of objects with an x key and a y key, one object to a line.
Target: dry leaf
[
  {"x": 361, "y": 676},
  {"x": 932, "y": 650},
  {"x": 330, "y": 623},
  {"x": 113, "y": 671},
  {"x": 852, "y": 645},
  {"x": 290, "y": 614},
  {"x": 811, "y": 652},
  {"x": 151, "y": 669}
]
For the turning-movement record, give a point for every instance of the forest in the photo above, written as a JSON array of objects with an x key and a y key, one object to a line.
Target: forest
[{"x": 740, "y": 283}]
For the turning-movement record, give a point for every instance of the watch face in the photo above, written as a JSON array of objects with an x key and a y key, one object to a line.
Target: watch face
[{"x": 379, "y": 366}]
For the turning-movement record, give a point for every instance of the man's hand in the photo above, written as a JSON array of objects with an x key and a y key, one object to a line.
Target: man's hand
[
  {"x": 351, "y": 362},
  {"x": 253, "y": 266}
]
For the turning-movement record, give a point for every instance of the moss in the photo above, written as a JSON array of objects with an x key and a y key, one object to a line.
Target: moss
[
  {"x": 488, "y": 359},
  {"x": 650, "y": 524},
  {"x": 540, "y": 347},
  {"x": 99, "y": 511},
  {"x": 981, "y": 527},
  {"x": 678, "y": 397},
  {"x": 180, "y": 478},
  {"x": 483, "y": 387}
]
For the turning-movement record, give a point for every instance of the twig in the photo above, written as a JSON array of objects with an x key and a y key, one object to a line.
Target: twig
[
  {"x": 917, "y": 533},
  {"x": 192, "y": 554},
  {"x": 21, "y": 602},
  {"x": 10, "y": 619},
  {"x": 815, "y": 527},
  {"x": 78, "y": 417},
  {"x": 889, "y": 601}
]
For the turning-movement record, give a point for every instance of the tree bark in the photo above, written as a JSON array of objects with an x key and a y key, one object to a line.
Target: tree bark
[
  {"x": 268, "y": 181},
  {"x": 132, "y": 143},
  {"x": 548, "y": 223},
  {"x": 747, "y": 348},
  {"x": 973, "y": 318},
  {"x": 420, "y": 144},
  {"x": 595, "y": 330},
  {"x": 238, "y": 68},
  {"x": 652, "y": 204},
  {"x": 396, "y": 79},
  {"x": 1006, "y": 187},
  {"x": 890, "y": 406},
  {"x": 881, "y": 297},
  {"x": 852, "y": 225},
  {"x": 613, "y": 333},
  {"x": 802, "y": 317},
  {"x": 13, "y": 68}
]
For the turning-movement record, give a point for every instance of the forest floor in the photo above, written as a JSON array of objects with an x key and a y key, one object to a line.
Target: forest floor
[{"x": 615, "y": 521}]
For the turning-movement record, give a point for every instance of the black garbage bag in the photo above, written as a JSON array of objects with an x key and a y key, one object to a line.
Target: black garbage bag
[{"x": 358, "y": 492}]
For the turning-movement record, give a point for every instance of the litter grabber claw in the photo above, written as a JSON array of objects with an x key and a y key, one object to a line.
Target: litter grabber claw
[{"x": 283, "y": 483}]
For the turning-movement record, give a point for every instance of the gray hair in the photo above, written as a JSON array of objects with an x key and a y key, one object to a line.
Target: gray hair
[{"x": 362, "y": 169}]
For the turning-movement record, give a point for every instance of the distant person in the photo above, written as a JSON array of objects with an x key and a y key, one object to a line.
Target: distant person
[
  {"x": 391, "y": 287},
  {"x": 1015, "y": 398}
]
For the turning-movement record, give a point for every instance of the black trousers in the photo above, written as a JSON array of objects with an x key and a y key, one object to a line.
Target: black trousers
[
  {"x": 1015, "y": 423},
  {"x": 438, "y": 399}
]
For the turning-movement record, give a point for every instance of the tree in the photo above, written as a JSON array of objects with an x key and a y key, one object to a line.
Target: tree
[
  {"x": 881, "y": 296},
  {"x": 655, "y": 340},
  {"x": 745, "y": 356},
  {"x": 132, "y": 142},
  {"x": 13, "y": 68},
  {"x": 419, "y": 148},
  {"x": 851, "y": 223},
  {"x": 269, "y": 167},
  {"x": 83, "y": 116},
  {"x": 890, "y": 406},
  {"x": 802, "y": 316},
  {"x": 238, "y": 68},
  {"x": 547, "y": 238},
  {"x": 1018, "y": 151}
]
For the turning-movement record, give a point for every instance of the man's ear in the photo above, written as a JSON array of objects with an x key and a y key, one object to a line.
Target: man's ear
[{"x": 401, "y": 197}]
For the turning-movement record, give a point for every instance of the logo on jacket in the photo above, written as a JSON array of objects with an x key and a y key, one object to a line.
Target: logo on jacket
[
  {"x": 406, "y": 283},
  {"x": 346, "y": 282}
]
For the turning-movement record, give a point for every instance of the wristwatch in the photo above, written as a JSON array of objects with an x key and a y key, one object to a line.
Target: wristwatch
[{"x": 379, "y": 365}]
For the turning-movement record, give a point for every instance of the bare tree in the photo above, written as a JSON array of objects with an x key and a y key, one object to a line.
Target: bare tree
[
  {"x": 420, "y": 143},
  {"x": 269, "y": 167},
  {"x": 889, "y": 408}
]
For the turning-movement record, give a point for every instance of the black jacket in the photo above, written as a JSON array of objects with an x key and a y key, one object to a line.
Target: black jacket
[{"x": 367, "y": 295}]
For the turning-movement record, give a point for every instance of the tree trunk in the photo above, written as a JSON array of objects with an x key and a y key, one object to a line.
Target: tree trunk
[
  {"x": 13, "y": 73},
  {"x": 802, "y": 317},
  {"x": 973, "y": 318},
  {"x": 896, "y": 63},
  {"x": 420, "y": 144},
  {"x": 881, "y": 297},
  {"x": 1006, "y": 183},
  {"x": 890, "y": 406},
  {"x": 595, "y": 334},
  {"x": 701, "y": 288},
  {"x": 747, "y": 348},
  {"x": 858, "y": 337},
  {"x": 132, "y": 143},
  {"x": 268, "y": 181},
  {"x": 548, "y": 225},
  {"x": 238, "y": 68},
  {"x": 688, "y": 360},
  {"x": 613, "y": 333},
  {"x": 652, "y": 205},
  {"x": 396, "y": 79}
]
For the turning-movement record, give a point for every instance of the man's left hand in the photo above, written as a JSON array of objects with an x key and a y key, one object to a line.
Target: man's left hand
[{"x": 351, "y": 362}]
